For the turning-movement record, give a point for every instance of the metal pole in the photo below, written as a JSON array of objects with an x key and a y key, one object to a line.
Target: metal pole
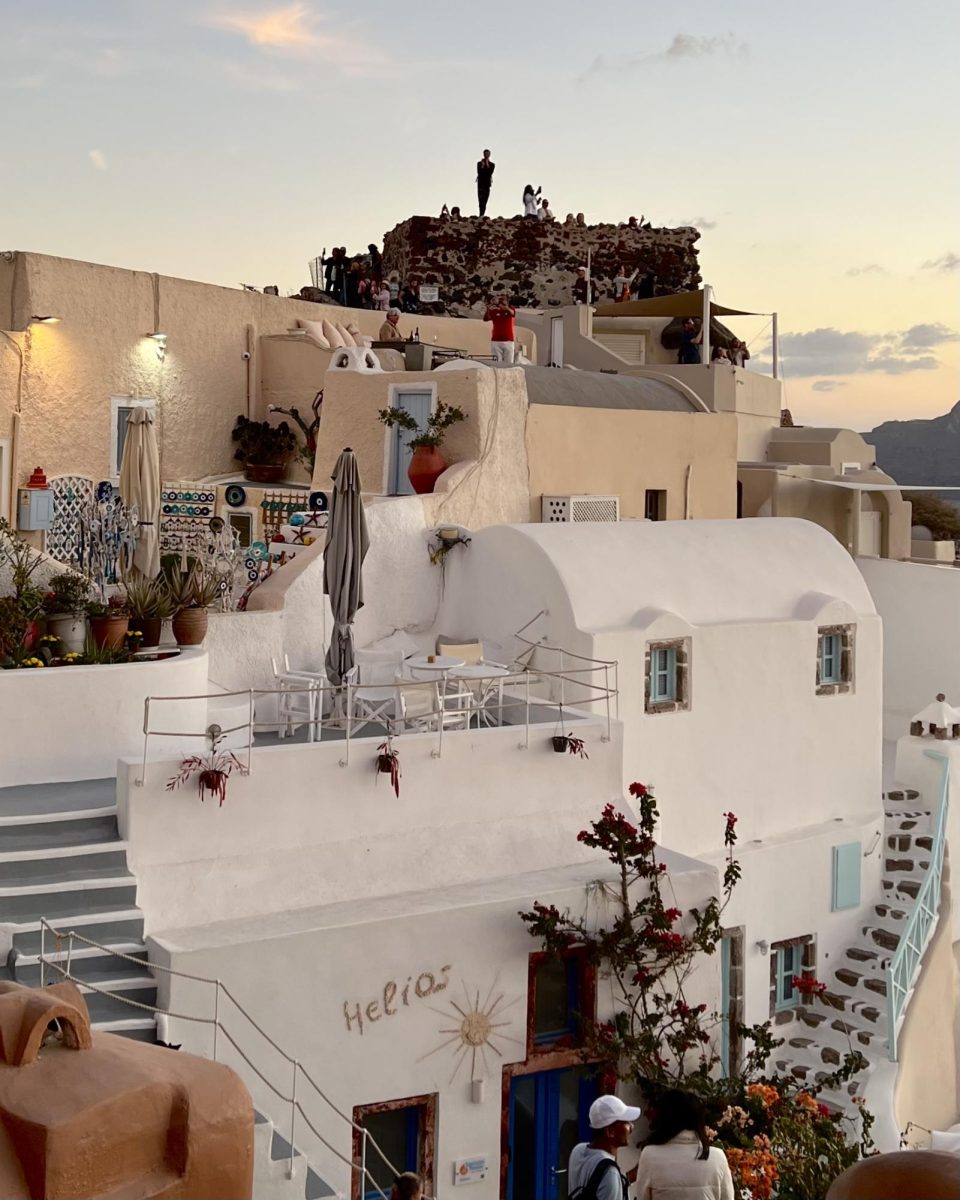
[
  {"x": 250, "y": 735},
  {"x": 526, "y": 739},
  {"x": 705, "y": 327},
  {"x": 69, "y": 950},
  {"x": 146, "y": 735},
  {"x": 293, "y": 1118},
  {"x": 363, "y": 1164},
  {"x": 346, "y": 758},
  {"x": 216, "y": 1018},
  {"x": 42, "y": 951},
  {"x": 775, "y": 333},
  {"x": 589, "y": 281},
  {"x": 606, "y": 688}
]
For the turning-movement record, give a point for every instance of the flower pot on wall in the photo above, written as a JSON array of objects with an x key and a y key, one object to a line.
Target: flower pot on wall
[
  {"x": 426, "y": 467},
  {"x": 264, "y": 472},
  {"x": 190, "y": 626},
  {"x": 151, "y": 628},
  {"x": 107, "y": 632},
  {"x": 71, "y": 629}
]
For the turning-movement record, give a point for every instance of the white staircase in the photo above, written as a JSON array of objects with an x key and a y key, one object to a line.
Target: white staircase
[
  {"x": 852, "y": 1014},
  {"x": 275, "y": 1177}
]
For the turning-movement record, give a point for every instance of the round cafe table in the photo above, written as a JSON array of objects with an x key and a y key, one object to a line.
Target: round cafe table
[{"x": 442, "y": 664}]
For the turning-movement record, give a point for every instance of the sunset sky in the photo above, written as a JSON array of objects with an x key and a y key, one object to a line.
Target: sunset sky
[{"x": 814, "y": 145}]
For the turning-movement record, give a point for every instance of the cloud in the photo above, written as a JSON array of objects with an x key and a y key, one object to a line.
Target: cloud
[
  {"x": 827, "y": 385},
  {"x": 831, "y": 352},
  {"x": 684, "y": 46},
  {"x": 297, "y": 30},
  {"x": 698, "y": 222},
  {"x": 97, "y": 159},
  {"x": 869, "y": 269},
  {"x": 946, "y": 262}
]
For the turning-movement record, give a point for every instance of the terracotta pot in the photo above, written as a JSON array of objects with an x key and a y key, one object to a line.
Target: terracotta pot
[
  {"x": 150, "y": 627},
  {"x": 426, "y": 467},
  {"x": 190, "y": 626},
  {"x": 107, "y": 632},
  {"x": 30, "y": 637},
  {"x": 71, "y": 629},
  {"x": 264, "y": 472}
]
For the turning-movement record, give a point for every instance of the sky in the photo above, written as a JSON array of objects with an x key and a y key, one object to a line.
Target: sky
[{"x": 813, "y": 144}]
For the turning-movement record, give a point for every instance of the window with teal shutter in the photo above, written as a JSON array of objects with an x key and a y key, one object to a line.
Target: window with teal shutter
[
  {"x": 846, "y": 875},
  {"x": 663, "y": 675},
  {"x": 787, "y": 964},
  {"x": 830, "y": 659}
]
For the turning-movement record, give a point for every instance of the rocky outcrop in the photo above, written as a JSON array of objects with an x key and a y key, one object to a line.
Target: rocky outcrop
[
  {"x": 535, "y": 261},
  {"x": 920, "y": 451}
]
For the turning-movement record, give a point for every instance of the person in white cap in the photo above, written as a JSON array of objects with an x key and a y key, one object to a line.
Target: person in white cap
[{"x": 593, "y": 1173}]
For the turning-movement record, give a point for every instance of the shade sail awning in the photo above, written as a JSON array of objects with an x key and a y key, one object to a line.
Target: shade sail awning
[{"x": 680, "y": 304}]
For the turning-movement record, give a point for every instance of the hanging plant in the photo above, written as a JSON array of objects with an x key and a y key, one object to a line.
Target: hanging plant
[
  {"x": 388, "y": 763},
  {"x": 566, "y": 742},
  {"x": 212, "y": 769}
]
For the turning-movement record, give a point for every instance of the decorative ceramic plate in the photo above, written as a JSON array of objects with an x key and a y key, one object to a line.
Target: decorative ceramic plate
[
  {"x": 318, "y": 501},
  {"x": 235, "y": 495}
]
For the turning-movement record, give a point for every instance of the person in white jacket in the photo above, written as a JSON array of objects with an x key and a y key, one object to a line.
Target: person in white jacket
[{"x": 677, "y": 1161}]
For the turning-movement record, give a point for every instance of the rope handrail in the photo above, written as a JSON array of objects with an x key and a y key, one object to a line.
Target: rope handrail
[
  {"x": 64, "y": 971},
  {"x": 904, "y": 964},
  {"x": 602, "y": 662}
]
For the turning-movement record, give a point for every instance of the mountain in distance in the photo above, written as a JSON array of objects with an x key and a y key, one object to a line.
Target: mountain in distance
[{"x": 921, "y": 451}]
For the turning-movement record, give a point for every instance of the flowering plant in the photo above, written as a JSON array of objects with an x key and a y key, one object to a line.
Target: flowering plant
[
  {"x": 388, "y": 763},
  {"x": 212, "y": 769}
]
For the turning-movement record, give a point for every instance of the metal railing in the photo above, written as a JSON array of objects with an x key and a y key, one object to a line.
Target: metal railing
[
  {"x": 904, "y": 966},
  {"x": 354, "y": 707},
  {"x": 221, "y": 993}
]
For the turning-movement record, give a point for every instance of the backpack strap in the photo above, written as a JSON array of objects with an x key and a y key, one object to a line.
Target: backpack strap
[{"x": 589, "y": 1190}]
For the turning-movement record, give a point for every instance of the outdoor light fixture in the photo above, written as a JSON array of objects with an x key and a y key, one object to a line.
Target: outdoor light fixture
[
  {"x": 44, "y": 320},
  {"x": 763, "y": 947},
  {"x": 161, "y": 343}
]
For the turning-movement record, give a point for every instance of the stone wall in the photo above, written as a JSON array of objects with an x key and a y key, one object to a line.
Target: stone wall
[{"x": 536, "y": 261}]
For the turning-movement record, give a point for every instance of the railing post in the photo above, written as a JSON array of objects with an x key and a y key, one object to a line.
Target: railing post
[
  {"x": 146, "y": 736},
  {"x": 43, "y": 926},
  {"x": 606, "y": 689},
  {"x": 562, "y": 667},
  {"x": 293, "y": 1118},
  {"x": 346, "y": 754},
  {"x": 363, "y": 1164},
  {"x": 441, "y": 713},
  {"x": 69, "y": 950},
  {"x": 250, "y": 735},
  {"x": 216, "y": 1017},
  {"x": 526, "y": 722}
]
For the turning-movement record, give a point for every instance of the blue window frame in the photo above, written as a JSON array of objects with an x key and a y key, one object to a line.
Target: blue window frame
[
  {"x": 787, "y": 963},
  {"x": 830, "y": 658},
  {"x": 557, "y": 987},
  {"x": 663, "y": 674},
  {"x": 398, "y": 1132}
]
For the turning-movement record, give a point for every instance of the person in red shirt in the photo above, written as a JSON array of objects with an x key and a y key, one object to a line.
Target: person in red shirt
[{"x": 502, "y": 333}]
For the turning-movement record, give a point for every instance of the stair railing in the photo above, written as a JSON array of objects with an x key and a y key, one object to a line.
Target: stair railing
[
  {"x": 904, "y": 966},
  {"x": 300, "y": 1073}
]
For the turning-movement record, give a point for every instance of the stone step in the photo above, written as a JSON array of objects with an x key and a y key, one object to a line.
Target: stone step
[
  {"x": 87, "y": 963},
  {"x": 52, "y": 801},
  {"x": 896, "y": 868},
  {"x": 902, "y": 796},
  {"x": 880, "y": 936},
  {"x": 867, "y": 959},
  {"x": 75, "y": 899},
  {"x": 123, "y": 925},
  {"x": 140, "y": 1029},
  {"x": 62, "y": 864},
  {"x": 903, "y": 843},
  {"x": 901, "y": 891},
  {"x": 59, "y": 830},
  {"x": 862, "y": 986},
  {"x": 110, "y": 1003}
]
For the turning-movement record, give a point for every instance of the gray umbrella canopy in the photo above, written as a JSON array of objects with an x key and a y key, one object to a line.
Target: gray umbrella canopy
[{"x": 343, "y": 555}]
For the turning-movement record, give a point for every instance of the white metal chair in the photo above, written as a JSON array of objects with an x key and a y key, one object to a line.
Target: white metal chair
[
  {"x": 424, "y": 705},
  {"x": 300, "y": 701},
  {"x": 376, "y": 696}
]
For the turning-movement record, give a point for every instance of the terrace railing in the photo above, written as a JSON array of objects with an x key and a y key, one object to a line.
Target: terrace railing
[
  {"x": 507, "y": 697},
  {"x": 904, "y": 966},
  {"x": 229, "y": 1021}
]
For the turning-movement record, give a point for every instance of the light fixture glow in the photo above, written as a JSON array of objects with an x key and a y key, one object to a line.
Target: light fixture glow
[
  {"x": 44, "y": 320},
  {"x": 161, "y": 342}
]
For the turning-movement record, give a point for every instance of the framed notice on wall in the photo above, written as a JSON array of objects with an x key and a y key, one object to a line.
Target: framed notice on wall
[{"x": 429, "y": 293}]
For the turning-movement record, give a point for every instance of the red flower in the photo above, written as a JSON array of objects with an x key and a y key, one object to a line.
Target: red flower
[
  {"x": 823, "y": 1110},
  {"x": 730, "y": 818},
  {"x": 640, "y": 790},
  {"x": 671, "y": 914},
  {"x": 807, "y": 985}
]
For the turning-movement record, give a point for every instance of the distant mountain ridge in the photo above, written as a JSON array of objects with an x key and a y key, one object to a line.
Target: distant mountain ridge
[{"x": 920, "y": 451}]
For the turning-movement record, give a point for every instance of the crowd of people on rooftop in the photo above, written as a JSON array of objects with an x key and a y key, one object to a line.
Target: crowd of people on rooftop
[{"x": 358, "y": 281}]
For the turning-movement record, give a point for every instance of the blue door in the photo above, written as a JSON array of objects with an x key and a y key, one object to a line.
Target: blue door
[
  {"x": 419, "y": 405},
  {"x": 548, "y": 1117}
]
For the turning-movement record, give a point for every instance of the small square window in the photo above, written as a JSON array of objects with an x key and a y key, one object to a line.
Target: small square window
[
  {"x": 404, "y": 1131},
  {"x": 663, "y": 675},
  {"x": 655, "y": 505},
  {"x": 830, "y": 658}
]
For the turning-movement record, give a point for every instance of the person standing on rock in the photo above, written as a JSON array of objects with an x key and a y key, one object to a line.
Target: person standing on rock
[
  {"x": 485, "y": 170},
  {"x": 503, "y": 333}
]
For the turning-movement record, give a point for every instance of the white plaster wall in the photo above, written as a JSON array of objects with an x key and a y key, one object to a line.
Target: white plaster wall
[
  {"x": 297, "y": 973},
  {"x": 69, "y": 723},
  {"x": 243, "y": 646},
  {"x": 486, "y": 807},
  {"x": 920, "y": 607}
]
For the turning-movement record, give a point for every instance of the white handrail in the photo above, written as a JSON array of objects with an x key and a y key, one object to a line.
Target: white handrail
[
  {"x": 904, "y": 966},
  {"x": 217, "y": 1022}
]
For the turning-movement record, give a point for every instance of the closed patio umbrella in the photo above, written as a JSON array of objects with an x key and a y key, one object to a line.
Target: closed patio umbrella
[
  {"x": 140, "y": 486},
  {"x": 343, "y": 555}
]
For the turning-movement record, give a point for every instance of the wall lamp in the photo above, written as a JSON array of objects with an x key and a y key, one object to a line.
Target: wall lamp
[
  {"x": 35, "y": 320},
  {"x": 763, "y": 947},
  {"x": 161, "y": 342}
]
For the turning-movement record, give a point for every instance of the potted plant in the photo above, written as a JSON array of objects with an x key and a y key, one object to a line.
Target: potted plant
[
  {"x": 13, "y": 627},
  {"x": 149, "y": 604},
  {"x": 65, "y": 605},
  {"x": 264, "y": 449},
  {"x": 108, "y": 622},
  {"x": 388, "y": 763},
  {"x": 564, "y": 743},
  {"x": 212, "y": 769},
  {"x": 427, "y": 464},
  {"x": 191, "y": 593}
]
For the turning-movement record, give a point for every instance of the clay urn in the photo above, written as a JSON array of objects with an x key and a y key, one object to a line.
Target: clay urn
[
  {"x": 913, "y": 1174},
  {"x": 86, "y": 1115},
  {"x": 426, "y": 467}
]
